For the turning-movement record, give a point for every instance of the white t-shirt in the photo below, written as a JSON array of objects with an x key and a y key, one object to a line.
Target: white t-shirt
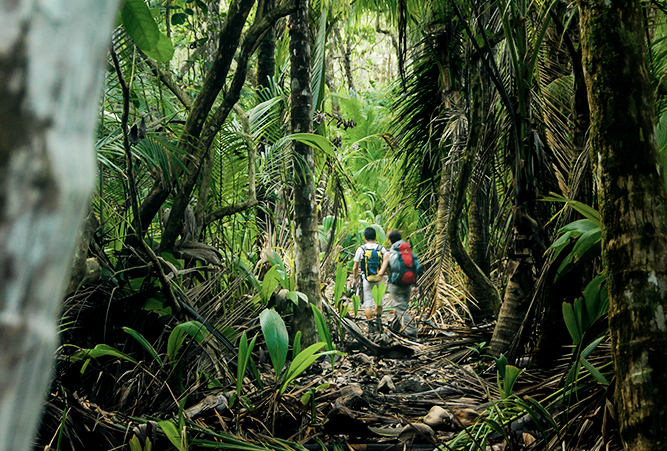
[{"x": 360, "y": 252}]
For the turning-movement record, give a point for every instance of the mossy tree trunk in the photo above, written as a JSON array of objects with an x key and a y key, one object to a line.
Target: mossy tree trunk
[
  {"x": 306, "y": 240},
  {"x": 51, "y": 65},
  {"x": 478, "y": 245},
  {"x": 632, "y": 211}
]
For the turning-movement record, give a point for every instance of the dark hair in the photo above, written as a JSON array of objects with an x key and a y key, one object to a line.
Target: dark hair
[
  {"x": 394, "y": 235},
  {"x": 369, "y": 234}
]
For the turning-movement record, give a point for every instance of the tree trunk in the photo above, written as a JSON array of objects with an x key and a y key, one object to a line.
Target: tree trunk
[
  {"x": 632, "y": 212},
  {"x": 478, "y": 246},
  {"x": 306, "y": 238},
  {"x": 266, "y": 52},
  {"x": 458, "y": 251},
  {"x": 346, "y": 52},
  {"x": 51, "y": 61}
]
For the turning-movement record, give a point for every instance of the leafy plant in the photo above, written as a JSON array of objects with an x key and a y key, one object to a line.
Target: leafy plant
[
  {"x": 276, "y": 337},
  {"x": 244, "y": 357},
  {"x": 273, "y": 328},
  {"x": 101, "y": 350}
]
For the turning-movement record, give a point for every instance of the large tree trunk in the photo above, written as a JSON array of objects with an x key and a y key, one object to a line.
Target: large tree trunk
[
  {"x": 306, "y": 238},
  {"x": 51, "y": 59},
  {"x": 632, "y": 212}
]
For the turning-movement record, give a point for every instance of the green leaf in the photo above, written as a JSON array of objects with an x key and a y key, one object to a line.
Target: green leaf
[
  {"x": 139, "y": 24},
  {"x": 178, "y": 18},
  {"x": 316, "y": 141},
  {"x": 294, "y": 296},
  {"x": 585, "y": 210},
  {"x": 101, "y": 350},
  {"x": 245, "y": 354},
  {"x": 163, "y": 50},
  {"x": 156, "y": 304},
  {"x": 269, "y": 284},
  {"x": 511, "y": 375},
  {"x": 495, "y": 427},
  {"x": 594, "y": 372},
  {"x": 300, "y": 364},
  {"x": 144, "y": 343},
  {"x": 378, "y": 293},
  {"x": 322, "y": 328},
  {"x": 171, "y": 431},
  {"x": 194, "y": 329},
  {"x": 341, "y": 278},
  {"x": 276, "y": 338},
  {"x": 296, "y": 346},
  {"x": 571, "y": 322},
  {"x": 589, "y": 245}
]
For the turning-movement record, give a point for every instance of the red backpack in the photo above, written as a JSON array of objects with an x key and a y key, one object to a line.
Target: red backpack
[{"x": 404, "y": 267}]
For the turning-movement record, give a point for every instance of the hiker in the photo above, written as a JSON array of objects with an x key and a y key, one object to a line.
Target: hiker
[
  {"x": 403, "y": 266},
  {"x": 368, "y": 259}
]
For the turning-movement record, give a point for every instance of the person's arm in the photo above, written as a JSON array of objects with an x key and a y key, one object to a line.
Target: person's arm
[
  {"x": 355, "y": 274},
  {"x": 385, "y": 264}
]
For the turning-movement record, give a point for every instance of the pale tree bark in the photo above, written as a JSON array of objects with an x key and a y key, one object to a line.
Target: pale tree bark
[
  {"x": 51, "y": 60},
  {"x": 306, "y": 241},
  {"x": 632, "y": 211}
]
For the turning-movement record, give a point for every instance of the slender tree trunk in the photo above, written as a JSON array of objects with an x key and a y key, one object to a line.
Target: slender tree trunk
[
  {"x": 51, "y": 60},
  {"x": 632, "y": 212},
  {"x": 266, "y": 52},
  {"x": 478, "y": 246},
  {"x": 458, "y": 251},
  {"x": 306, "y": 238},
  {"x": 346, "y": 52}
]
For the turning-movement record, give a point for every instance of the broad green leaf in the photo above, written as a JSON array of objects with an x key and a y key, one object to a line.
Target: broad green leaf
[
  {"x": 194, "y": 329},
  {"x": 171, "y": 431},
  {"x": 139, "y": 24},
  {"x": 582, "y": 226},
  {"x": 378, "y": 293},
  {"x": 316, "y": 141},
  {"x": 276, "y": 338},
  {"x": 571, "y": 322},
  {"x": 596, "y": 297},
  {"x": 269, "y": 284},
  {"x": 163, "y": 50},
  {"x": 585, "y": 210},
  {"x": 511, "y": 375},
  {"x": 294, "y": 296},
  {"x": 144, "y": 343},
  {"x": 589, "y": 245},
  {"x": 156, "y": 304},
  {"x": 341, "y": 278},
  {"x": 178, "y": 18}
]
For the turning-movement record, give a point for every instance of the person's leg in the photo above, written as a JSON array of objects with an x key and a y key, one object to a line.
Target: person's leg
[
  {"x": 403, "y": 321},
  {"x": 368, "y": 304}
]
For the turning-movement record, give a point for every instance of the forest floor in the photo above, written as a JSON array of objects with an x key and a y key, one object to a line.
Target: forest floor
[{"x": 388, "y": 393}]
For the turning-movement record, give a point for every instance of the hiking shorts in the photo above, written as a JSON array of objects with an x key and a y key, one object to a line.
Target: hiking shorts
[{"x": 367, "y": 293}]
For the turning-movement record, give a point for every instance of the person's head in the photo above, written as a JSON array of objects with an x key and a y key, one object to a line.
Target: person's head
[
  {"x": 394, "y": 236},
  {"x": 369, "y": 234}
]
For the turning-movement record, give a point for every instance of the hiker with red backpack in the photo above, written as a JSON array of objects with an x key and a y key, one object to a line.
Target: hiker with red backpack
[
  {"x": 368, "y": 260},
  {"x": 403, "y": 266}
]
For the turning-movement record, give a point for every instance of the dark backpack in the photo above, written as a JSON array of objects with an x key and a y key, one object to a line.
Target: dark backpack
[
  {"x": 404, "y": 264},
  {"x": 371, "y": 261}
]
